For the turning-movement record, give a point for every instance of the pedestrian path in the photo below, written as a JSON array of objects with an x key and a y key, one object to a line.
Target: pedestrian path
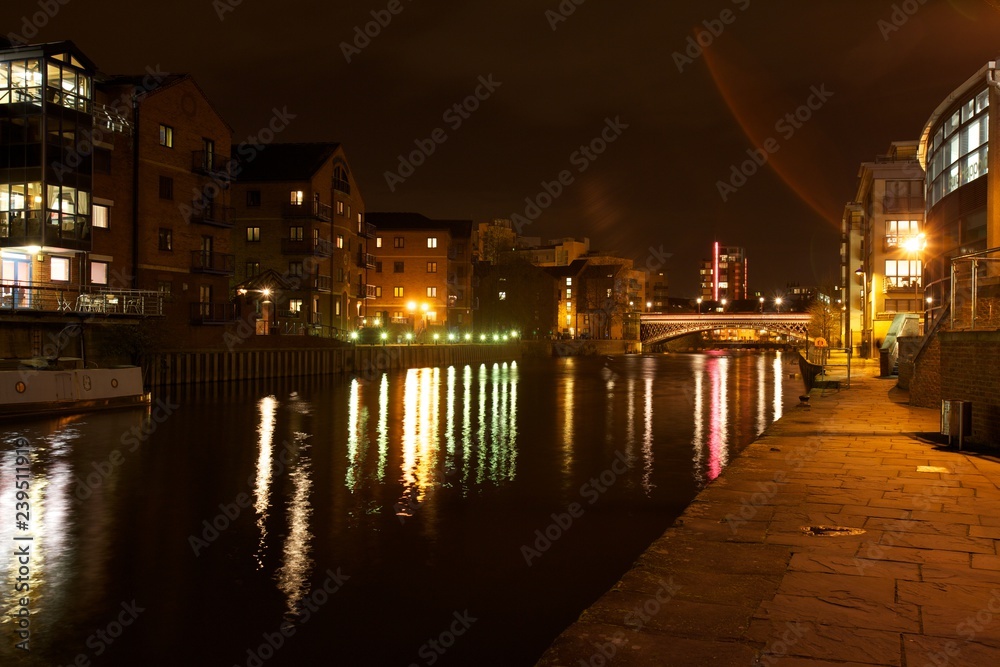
[{"x": 843, "y": 537}]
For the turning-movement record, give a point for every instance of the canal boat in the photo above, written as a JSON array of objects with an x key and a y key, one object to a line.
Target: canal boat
[{"x": 41, "y": 387}]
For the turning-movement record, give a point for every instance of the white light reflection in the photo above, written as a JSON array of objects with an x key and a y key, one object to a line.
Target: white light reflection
[
  {"x": 293, "y": 575},
  {"x": 383, "y": 426},
  {"x": 466, "y": 428},
  {"x": 647, "y": 439},
  {"x": 567, "y": 429},
  {"x": 698, "y": 440},
  {"x": 268, "y": 408}
]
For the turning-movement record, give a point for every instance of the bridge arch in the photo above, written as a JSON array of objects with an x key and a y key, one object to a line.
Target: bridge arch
[{"x": 656, "y": 328}]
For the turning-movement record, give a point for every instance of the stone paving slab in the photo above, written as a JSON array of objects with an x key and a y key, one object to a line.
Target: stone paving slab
[{"x": 738, "y": 581}]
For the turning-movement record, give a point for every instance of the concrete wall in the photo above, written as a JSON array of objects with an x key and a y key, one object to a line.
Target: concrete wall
[
  {"x": 181, "y": 368},
  {"x": 969, "y": 362}
]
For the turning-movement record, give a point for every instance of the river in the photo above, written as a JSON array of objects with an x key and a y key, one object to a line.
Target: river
[{"x": 440, "y": 516}]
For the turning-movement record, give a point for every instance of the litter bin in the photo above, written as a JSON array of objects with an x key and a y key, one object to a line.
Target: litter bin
[{"x": 956, "y": 420}]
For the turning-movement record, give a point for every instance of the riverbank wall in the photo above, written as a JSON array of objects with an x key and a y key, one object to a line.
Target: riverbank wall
[{"x": 171, "y": 369}]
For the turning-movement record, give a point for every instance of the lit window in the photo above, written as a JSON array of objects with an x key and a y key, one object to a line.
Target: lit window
[
  {"x": 503, "y": 296},
  {"x": 253, "y": 234},
  {"x": 295, "y": 305},
  {"x": 432, "y": 267},
  {"x": 295, "y": 233},
  {"x": 166, "y": 136},
  {"x": 60, "y": 269},
  {"x": 432, "y": 242},
  {"x": 99, "y": 273},
  {"x": 378, "y": 291},
  {"x": 569, "y": 294},
  {"x": 340, "y": 241},
  {"x": 340, "y": 208},
  {"x": 378, "y": 241},
  {"x": 397, "y": 291},
  {"x": 297, "y": 196},
  {"x": 569, "y": 281},
  {"x": 100, "y": 216},
  {"x": 432, "y": 292}
]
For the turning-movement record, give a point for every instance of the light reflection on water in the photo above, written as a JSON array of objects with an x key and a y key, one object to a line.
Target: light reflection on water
[{"x": 406, "y": 477}]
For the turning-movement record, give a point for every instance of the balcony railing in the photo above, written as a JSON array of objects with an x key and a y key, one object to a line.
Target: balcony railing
[
  {"x": 212, "y": 262},
  {"x": 342, "y": 186},
  {"x": 366, "y": 260},
  {"x": 317, "y": 247},
  {"x": 212, "y": 313},
  {"x": 975, "y": 291},
  {"x": 366, "y": 291},
  {"x": 213, "y": 164},
  {"x": 66, "y": 299},
  {"x": 911, "y": 283},
  {"x": 289, "y": 314},
  {"x": 309, "y": 209},
  {"x": 894, "y": 204},
  {"x": 323, "y": 283},
  {"x": 367, "y": 230},
  {"x": 214, "y": 215}
]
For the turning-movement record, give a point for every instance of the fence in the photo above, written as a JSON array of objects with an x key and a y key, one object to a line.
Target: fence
[{"x": 975, "y": 291}]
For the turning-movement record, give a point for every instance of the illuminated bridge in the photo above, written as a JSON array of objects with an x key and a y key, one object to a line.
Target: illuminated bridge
[{"x": 654, "y": 327}]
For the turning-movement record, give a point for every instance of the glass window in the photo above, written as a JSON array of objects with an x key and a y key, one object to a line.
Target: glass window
[
  {"x": 60, "y": 269},
  {"x": 295, "y": 233},
  {"x": 569, "y": 281},
  {"x": 340, "y": 208},
  {"x": 432, "y": 242},
  {"x": 397, "y": 291},
  {"x": 397, "y": 267},
  {"x": 295, "y": 305},
  {"x": 252, "y": 268},
  {"x": 100, "y": 216},
  {"x": 432, "y": 267},
  {"x": 166, "y": 187},
  {"x": 397, "y": 242},
  {"x": 295, "y": 268},
  {"x": 982, "y": 100},
  {"x": 296, "y": 197},
  {"x": 98, "y": 273},
  {"x": 502, "y": 296},
  {"x": 340, "y": 240},
  {"x": 432, "y": 292},
  {"x": 166, "y": 136},
  {"x": 253, "y": 197},
  {"x": 378, "y": 241},
  {"x": 253, "y": 234}
]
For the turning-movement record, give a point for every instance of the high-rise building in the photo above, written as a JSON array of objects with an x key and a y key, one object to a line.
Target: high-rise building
[{"x": 724, "y": 274}]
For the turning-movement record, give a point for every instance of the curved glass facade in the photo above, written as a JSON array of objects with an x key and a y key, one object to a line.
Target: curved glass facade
[{"x": 957, "y": 153}]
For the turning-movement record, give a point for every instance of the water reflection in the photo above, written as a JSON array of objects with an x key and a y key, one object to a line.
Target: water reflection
[
  {"x": 267, "y": 408},
  {"x": 296, "y": 563}
]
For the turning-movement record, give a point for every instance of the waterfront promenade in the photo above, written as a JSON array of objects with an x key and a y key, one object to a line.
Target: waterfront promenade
[{"x": 901, "y": 566}]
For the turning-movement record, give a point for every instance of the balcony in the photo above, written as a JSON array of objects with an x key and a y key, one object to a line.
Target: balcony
[
  {"x": 215, "y": 263},
  {"x": 60, "y": 299},
  {"x": 317, "y": 247},
  {"x": 323, "y": 284},
  {"x": 366, "y": 230},
  {"x": 341, "y": 186},
  {"x": 290, "y": 314},
  {"x": 366, "y": 260},
  {"x": 215, "y": 216},
  {"x": 309, "y": 209},
  {"x": 366, "y": 291},
  {"x": 212, "y": 313},
  {"x": 904, "y": 283},
  {"x": 213, "y": 164},
  {"x": 903, "y": 204},
  {"x": 44, "y": 228}
]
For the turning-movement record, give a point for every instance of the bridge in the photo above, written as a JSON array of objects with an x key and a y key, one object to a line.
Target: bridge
[{"x": 656, "y": 327}]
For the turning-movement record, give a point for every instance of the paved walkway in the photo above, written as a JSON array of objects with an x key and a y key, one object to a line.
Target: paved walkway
[{"x": 903, "y": 568}]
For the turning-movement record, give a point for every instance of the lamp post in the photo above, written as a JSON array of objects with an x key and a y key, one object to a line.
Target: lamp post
[
  {"x": 762, "y": 305},
  {"x": 723, "y": 302},
  {"x": 699, "y": 305},
  {"x": 865, "y": 338},
  {"x": 777, "y": 304},
  {"x": 914, "y": 246}
]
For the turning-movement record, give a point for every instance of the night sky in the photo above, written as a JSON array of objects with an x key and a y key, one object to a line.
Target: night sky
[{"x": 561, "y": 79}]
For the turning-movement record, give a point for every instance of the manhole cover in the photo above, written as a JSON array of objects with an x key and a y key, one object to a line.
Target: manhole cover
[{"x": 831, "y": 531}]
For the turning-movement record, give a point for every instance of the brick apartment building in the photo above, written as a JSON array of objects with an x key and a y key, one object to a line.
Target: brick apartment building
[
  {"x": 301, "y": 217},
  {"x": 423, "y": 273}
]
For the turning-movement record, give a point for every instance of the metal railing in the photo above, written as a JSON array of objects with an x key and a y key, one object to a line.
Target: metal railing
[
  {"x": 212, "y": 262},
  {"x": 309, "y": 209},
  {"x": 211, "y": 163},
  {"x": 975, "y": 291},
  {"x": 214, "y": 215},
  {"x": 64, "y": 299},
  {"x": 212, "y": 313}
]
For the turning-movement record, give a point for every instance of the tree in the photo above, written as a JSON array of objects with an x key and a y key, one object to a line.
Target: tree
[{"x": 823, "y": 321}]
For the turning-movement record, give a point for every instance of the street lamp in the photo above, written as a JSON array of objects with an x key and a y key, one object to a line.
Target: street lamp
[
  {"x": 915, "y": 245},
  {"x": 865, "y": 342},
  {"x": 762, "y": 305},
  {"x": 723, "y": 302},
  {"x": 649, "y": 306},
  {"x": 777, "y": 303},
  {"x": 699, "y": 304}
]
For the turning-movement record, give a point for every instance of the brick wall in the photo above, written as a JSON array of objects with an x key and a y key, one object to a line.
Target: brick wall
[
  {"x": 969, "y": 362},
  {"x": 925, "y": 385}
]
